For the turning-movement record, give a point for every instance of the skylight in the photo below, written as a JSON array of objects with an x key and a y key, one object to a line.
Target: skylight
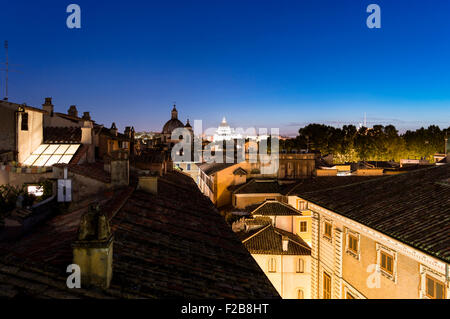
[{"x": 50, "y": 154}]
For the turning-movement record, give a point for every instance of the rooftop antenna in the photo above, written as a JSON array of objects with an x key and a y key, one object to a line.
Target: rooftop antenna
[{"x": 7, "y": 70}]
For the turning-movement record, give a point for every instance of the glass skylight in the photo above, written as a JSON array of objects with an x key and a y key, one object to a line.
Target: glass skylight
[{"x": 50, "y": 154}]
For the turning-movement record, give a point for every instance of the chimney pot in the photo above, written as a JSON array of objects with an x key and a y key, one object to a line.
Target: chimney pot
[
  {"x": 119, "y": 168},
  {"x": 86, "y": 116}
]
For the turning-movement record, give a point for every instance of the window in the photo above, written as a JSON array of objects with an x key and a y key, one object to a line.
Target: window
[
  {"x": 353, "y": 243},
  {"x": 326, "y": 286},
  {"x": 300, "y": 266},
  {"x": 24, "y": 125},
  {"x": 434, "y": 288},
  {"x": 303, "y": 226},
  {"x": 327, "y": 230},
  {"x": 300, "y": 294},
  {"x": 272, "y": 265},
  {"x": 301, "y": 204},
  {"x": 387, "y": 262}
]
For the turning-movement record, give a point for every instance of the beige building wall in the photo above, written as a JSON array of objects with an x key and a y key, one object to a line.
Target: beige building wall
[
  {"x": 285, "y": 279},
  {"x": 358, "y": 273},
  {"x": 302, "y": 205},
  {"x": 28, "y": 141}
]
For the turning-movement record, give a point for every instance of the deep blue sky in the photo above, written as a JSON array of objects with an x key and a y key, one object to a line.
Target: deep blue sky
[{"x": 259, "y": 63}]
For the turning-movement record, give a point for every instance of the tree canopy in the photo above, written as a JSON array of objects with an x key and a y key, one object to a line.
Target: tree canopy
[{"x": 379, "y": 143}]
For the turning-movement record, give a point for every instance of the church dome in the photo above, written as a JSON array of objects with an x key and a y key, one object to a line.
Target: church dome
[{"x": 173, "y": 123}]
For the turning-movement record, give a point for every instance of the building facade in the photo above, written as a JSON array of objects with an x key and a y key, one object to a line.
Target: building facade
[{"x": 383, "y": 238}]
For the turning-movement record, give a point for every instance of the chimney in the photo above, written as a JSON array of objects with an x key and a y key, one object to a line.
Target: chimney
[
  {"x": 86, "y": 132},
  {"x": 285, "y": 242},
  {"x": 93, "y": 249},
  {"x": 73, "y": 111},
  {"x": 48, "y": 106},
  {"x": 148, "y": 184},
  {"x": 87, "y": 138},
  {"x": 86, "y": 116},
  {"x": 119, "y": 168},
  {"x": 113, "y": 129},
  {"x": 127, "y": 131}
]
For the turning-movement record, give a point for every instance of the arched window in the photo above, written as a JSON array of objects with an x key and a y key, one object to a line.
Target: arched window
[
  {"x": 272, "y": 265},
  {"x": 300, "y": 294},
  {"x": 300, "y": 265}
]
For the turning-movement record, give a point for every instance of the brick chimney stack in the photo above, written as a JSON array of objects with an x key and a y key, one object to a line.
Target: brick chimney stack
[
  {"x": 73, "y": 111},
  {"x": 87, "y": 138},
  {"x": 48, "y": 106},
  {"x": 118, "y": 167},
  {"x": 93, "y": 249}
]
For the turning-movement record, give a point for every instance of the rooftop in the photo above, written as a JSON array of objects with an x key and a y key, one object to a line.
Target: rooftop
[
  {"x": 173, "y": 244},
  {"x": 326, "y": 182},
  {"x": 62, "y": 135},
  {"x": 413, "y": 207},
  {"x": 261, "y": 186},
  {"x": 275, "y": 208},
  {"x": 268, "y": 240},
  {"x": 211, "y": 168}
]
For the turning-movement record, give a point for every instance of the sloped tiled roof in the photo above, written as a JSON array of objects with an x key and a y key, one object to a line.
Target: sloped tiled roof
[
  {"x": 324, "y": 182},
  {"x": 268, "y": 241},
  {"x": 211, "y": 168},
  {"x": 261, "y": 186},
  {"x": 275, "y": 208},
  {"x": 62, "y": 135},
  {"x": 92, "y": 170},
  {"x": 170, "y": 245},
  {"x": 413, "y": 207}
]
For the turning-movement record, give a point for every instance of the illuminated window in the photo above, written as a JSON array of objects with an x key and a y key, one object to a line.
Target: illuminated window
[
  {"x": 353, "y": 243},
  {"x": 300, "y": 265},
  {"x": 435, "y": 289},
  {"x": 326, "y": 286},
  {"x": 35, "y": 190},
  {"x": 387, "y": 262},
  {"x": 300, "y": 294},
  {"x": 272, "y": 265},
  {"x": 24, "y": 125},
  {"x": 327, "y": 230},
  {"x": 50, "y": 154},
  {"x": 303, "y": 228}
]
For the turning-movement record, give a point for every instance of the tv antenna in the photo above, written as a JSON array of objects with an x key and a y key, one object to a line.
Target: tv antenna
[{"x": 7, "y": 70}]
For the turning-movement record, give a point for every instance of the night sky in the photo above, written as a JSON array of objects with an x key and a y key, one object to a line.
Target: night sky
[{"x": 259, "y": 63}]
